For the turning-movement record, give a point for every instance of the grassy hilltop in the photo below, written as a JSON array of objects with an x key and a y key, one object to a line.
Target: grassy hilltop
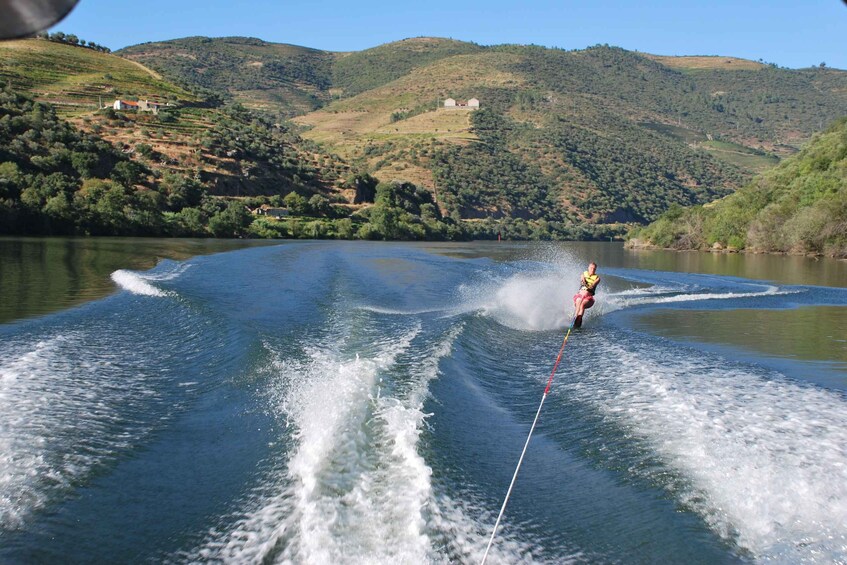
[{"x": 74, "y": 77}]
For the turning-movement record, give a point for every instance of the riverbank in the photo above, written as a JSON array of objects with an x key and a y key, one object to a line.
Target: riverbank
[{"x": 638, "y": 244}]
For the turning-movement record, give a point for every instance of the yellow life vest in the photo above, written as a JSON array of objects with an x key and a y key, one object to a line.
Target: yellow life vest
[{"x": 590, "y": 282}]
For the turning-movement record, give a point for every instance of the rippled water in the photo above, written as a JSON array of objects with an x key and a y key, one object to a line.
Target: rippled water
[{"x": 325, "y": 402}]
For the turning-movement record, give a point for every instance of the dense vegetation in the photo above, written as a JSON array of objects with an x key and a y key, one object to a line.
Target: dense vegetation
[
  {"x": 486, "y": 180},
  {"x": 768, "y": 103},
  {"x": 798, "y": 207},
  {"x": 57, "y": 180},
  {"x": 54, "y": 179},
  {"x": 625, "y": 173},
  {"x": 257, "y": 156}
]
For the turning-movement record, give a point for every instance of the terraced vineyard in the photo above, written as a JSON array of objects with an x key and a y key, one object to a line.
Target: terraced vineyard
[
  {"x": 180, "y": 139},
  {"x": 76, "y": 79}
]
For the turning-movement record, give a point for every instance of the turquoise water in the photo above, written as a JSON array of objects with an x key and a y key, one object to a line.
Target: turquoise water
[{"x": 331, "y": 402}]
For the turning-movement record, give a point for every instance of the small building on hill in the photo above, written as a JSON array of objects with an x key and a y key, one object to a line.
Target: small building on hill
[
  {"x": 125, "y": 105},
  {"x": 140, "y": 106},
  {"x": 270, "y": 211},
  {"x": 472, "y": 104}
]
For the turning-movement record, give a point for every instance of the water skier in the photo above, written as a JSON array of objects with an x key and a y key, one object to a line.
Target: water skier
[{"x": 584, "y": 299}]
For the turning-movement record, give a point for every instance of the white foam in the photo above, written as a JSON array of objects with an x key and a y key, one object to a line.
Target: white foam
[
  {"x": 356, "y": 488},
  {"x": 763, "y": 460},
  {"x": 136, "y": 284},
  {"x": 463, "y": 539},
  {"x": 535, "y": 302},
  {"x": 664, "y": 295},
  {"x": 335, "y": 504},
  {"x": 399, "y": 312},
  {"x": 58, "y": 417}
]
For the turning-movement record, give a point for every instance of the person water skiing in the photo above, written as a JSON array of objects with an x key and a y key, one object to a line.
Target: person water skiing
[{"x": 584, "y": 299}]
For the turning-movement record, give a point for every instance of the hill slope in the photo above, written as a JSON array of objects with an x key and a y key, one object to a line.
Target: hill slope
[
  {"x": 76, "y": 77},
  {"x": 354, "y": 73},
  {"x": 607, "y": 135},
  {"x": 271, "y": 76},
  {"x": 798, "y": 207},
  {"x": 232, "y": 152}
]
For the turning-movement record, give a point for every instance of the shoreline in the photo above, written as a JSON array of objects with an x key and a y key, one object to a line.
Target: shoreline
[{"x": 636, "y": 245}]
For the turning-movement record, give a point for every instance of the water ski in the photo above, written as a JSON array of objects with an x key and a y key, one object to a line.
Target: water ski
[{"x": 577, "y": 322}]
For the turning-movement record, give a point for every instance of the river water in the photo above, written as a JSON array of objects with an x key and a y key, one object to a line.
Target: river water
[{"x": 355, "y": 402}]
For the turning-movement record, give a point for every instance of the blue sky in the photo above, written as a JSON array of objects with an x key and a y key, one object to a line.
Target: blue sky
[{"x": 790, "y": 33}]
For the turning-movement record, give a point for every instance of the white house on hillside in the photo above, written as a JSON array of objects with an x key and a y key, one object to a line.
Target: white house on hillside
[
  {"x": 472, "y": 104},
  {"x": 140, "y": 106}
]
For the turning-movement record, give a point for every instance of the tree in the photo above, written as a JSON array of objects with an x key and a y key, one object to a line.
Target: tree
[
  {"x": 128, "y": 173},
  {"x": 181, "y": 192},
  {"x": 296, "y": 204},
  {"x": 320, "y": 205},
  {"x": 11, "y": 180},
  {"x": 344, "y": 228},
  {"x": 365, "y": 186},
  {"x": 84, "y": 164},
  {"x": 189, "y": 222},
  {"x": 230, "y": 222}
]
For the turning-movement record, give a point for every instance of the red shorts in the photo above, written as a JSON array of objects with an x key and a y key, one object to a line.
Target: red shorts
[{"x": 588, "y": 300}]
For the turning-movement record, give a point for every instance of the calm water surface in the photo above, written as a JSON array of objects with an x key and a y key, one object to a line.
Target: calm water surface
[
  {"x": 355, "y": 402},
  {"x": 42, "y": 275}
]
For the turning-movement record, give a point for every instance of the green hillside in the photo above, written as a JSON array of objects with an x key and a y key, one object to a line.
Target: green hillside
[
  {"x": 272, "y": 76},
  {"x": 359, "y": 71},
  {"x": 287, "y": 78},
  {"x": 231, "y": 152},
  {"x": 79, "y": 79},
  {"x": 798, "y": 207},
  {"x": 601, "y": 135}
]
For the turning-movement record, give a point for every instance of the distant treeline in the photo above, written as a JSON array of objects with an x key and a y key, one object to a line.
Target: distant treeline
[{"x": 71, "y": 39}]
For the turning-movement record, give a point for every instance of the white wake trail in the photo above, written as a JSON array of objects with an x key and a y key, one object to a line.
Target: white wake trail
[
  {"x": 353, "y": 487},
  {"x": 763, "y": 460},
  {"x": 136, "y": 284}
]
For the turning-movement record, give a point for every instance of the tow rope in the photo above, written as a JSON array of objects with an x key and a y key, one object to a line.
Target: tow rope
[{"x": 531, "y": 429}]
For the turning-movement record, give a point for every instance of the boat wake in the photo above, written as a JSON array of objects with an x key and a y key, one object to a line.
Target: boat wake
[
  {"x": 142, "y": 283},
  {"x": 136, "y": 284},
  {"x": 352, "y": 486},
  {"x": 761, "y": 458},
  {"x": 63, "y": 403}
]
